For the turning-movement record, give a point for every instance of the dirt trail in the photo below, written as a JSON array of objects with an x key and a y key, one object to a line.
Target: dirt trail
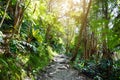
[{"x": 59, "y": 69}]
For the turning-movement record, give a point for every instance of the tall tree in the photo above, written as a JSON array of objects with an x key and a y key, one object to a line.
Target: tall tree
[{"x": 83, "y": 26}]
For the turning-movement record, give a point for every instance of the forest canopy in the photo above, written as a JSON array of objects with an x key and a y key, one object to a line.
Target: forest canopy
[{"x": 32, "y": 32}]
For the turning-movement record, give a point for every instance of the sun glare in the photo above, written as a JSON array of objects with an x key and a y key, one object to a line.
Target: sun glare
[
  {"x": 65, "y": 7},
  {"x": 76, "y": 1},
  {"x": 66, "y": 4}
]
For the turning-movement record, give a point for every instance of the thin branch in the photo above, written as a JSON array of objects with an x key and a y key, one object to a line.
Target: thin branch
[
  {"x": 4, "y": 13},
  {"x": 27, "y": 5}
]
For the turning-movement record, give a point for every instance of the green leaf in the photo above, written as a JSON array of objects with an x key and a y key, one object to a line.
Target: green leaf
[
  {"x": 4, "y": 62},
  {"x": 14, "y": 2},
  {"x": 36, "y": 34}
]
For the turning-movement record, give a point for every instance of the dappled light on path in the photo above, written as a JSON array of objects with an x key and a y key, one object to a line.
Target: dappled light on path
[{"x": 59, "y": 69}]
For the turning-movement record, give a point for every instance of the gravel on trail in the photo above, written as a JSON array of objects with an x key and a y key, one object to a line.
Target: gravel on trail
[{"x": 60, "y": 69}]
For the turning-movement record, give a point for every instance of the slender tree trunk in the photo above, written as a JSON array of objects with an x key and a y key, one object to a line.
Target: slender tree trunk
[
  {"x": 83, "y": 25},
  {"x": 85, "y": 55},
  {"x": 5, "y": 13},
  {"x": 106, "y": 51},
  {"x": 49, "y": 26},
  {"x": 18, "y": 17},
  {"x": 105, "y": 29},
  {"x": 47, "y": 36}
]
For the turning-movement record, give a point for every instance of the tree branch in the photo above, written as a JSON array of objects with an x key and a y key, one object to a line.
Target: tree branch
[{"x": 4, "y": 13}]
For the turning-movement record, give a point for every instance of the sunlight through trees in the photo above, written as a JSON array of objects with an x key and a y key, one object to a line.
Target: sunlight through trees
[{"x": 32, "y": 32}]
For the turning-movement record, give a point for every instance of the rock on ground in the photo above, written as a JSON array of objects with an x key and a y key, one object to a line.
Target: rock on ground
[{"x": 59, "y": 69}]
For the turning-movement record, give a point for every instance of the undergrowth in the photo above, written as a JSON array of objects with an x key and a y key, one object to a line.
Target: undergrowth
[{"x": 99, "y": 70}]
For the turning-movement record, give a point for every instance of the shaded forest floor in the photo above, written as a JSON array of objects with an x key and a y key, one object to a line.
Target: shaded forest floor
[{"x": 60, "y": 69}]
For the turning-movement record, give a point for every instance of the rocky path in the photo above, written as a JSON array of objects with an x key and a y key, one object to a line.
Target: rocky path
[{"x": 59, "y": 69}]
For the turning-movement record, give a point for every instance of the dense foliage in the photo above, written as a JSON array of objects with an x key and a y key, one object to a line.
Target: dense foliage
[{"x": 33, "y": 31}]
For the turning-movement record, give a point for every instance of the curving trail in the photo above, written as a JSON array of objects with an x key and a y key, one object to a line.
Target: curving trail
[{"x": 59, "y": 69}]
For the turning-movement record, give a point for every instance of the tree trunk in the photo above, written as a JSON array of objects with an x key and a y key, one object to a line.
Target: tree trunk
[
  {"x": 106, "y": 51},
  {"x": 105, "y": 28},
  {"x": 83, "y": 25}
]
